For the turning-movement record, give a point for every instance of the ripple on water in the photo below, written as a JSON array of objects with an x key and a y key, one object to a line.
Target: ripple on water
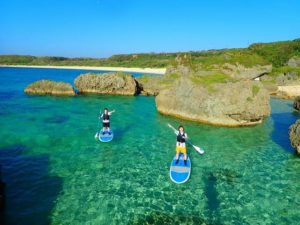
[{"x": 61, "y": 174}]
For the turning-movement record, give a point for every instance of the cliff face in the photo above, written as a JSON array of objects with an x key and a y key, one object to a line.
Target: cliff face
[
  {"x": 228, "y": 104},
  {"x": 110, "y": 83},
  {"x": 296, "y": 104},
  {"x": 48, "y": 87},
  {"x": 152, "y": 85},
  {"x": 294, "y": 133}
]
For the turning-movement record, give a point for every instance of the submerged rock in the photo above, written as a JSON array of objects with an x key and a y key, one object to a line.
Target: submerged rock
[
  {"x": 228, "y": 104},
  {"x": 294, "y": 133},
  {"x": 296, "y": 104},
  {"x": 48, "y": 87},
  {"x": 109, "y": 83}
]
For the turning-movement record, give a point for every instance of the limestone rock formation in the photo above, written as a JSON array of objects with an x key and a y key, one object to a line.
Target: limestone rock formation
[
  {"x": 294, "y": 133},
  {"x": 149, "y": 85},
  {"x": 152, "y": 85},
  {"x": 239, "y": 71},
  {"x": 109, "y": 83},
  {"x": 48, "y": 87},
  {"x": 296, "y": 104},
  {"x": 228, "y": 104}
]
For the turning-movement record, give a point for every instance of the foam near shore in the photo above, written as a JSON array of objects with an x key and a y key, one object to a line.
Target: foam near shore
[{"x": 123, "y": 69}]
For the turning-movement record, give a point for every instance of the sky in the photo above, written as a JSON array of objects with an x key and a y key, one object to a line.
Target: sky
[{"x": 101, "y": 28}]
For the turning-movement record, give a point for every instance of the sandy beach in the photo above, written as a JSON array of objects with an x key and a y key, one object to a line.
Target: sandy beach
[
  {"x": 123, "y": 69},
  {"x": 289, "y": 91}
]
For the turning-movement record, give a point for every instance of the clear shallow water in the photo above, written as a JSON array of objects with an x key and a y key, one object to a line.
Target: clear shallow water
[{"x": 57, "y": 173}]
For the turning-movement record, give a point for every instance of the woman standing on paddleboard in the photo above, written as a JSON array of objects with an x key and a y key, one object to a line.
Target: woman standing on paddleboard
[
  {"x": 105, "y": 120},
  {"x": 180, "y": 144}
]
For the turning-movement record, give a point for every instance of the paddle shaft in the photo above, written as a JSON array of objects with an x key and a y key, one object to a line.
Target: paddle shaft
[
  {"x": 190, "y": 143},
  {"x": 98, "y": 127}
]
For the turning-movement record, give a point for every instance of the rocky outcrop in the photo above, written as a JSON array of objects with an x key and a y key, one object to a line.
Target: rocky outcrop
[
  {"x": 294, "y": 61},
  {"x": 239, "y": 71},
  {"x": 48, "y": 87},
  {"x": 109, "y": 83},
  {"x": 294, "y": 133},
  {"x": 180, "y": 69},
  {"x": 228, "y": 104},
  {"x": 182, "y": 65},
  {"x": 150, "y": 86},
  {"x": 288, "y": 92},
  {"x": 281, "y": 79},
  {"x": 296, "y": 104}
]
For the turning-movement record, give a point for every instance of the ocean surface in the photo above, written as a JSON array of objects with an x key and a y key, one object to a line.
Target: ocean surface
[{"x": 57, "y": 173}]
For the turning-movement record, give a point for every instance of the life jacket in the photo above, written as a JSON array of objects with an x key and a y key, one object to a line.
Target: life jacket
[
  {"x": 105, "y": 117},
  {"x": 180, "y": 137}
]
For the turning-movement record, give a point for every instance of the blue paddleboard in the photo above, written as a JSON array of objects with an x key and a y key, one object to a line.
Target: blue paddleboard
[
  {"x": 106, "y": 137},
  {"x": 180, "y": 173}
]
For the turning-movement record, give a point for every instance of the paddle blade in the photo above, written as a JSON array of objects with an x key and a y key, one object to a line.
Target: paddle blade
[
  {"x": 199, "y": 150},
  {"x": 96, "y": 135}
]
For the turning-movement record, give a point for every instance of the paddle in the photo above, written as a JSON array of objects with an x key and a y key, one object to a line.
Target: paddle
[
  {"x": 198, "y": 149},
  {"x": 97, "y": 133}
]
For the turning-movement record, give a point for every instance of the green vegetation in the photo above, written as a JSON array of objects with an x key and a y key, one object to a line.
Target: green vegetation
[
  {"x": 232, "y": 56},
  {"x": 276, "y": 53},
  {"x": 211, "y": 79},
  {"x": 255, "y": 90},
  {"x": 285, "y": 69},
  {"x": 249, "y": 99},
  {"x": 134, "y": 60},
  {"x": 50, "y": 87}
]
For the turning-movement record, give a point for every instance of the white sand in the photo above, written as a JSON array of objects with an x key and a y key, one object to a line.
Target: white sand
[
  {"x": 290, "y": 91},
  {"x": 124, "y": 69}
]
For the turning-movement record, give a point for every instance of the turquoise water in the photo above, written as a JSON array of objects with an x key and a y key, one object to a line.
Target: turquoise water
[{"x": 56, "y": 173}]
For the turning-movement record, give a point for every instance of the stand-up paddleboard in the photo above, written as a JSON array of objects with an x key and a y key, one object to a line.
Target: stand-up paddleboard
[
  {"x": 106, "y": 137},
  {"x": 180, "y": 173}
]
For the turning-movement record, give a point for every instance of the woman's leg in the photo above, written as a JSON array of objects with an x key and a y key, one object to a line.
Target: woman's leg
[{"x": 103, "y": 128}]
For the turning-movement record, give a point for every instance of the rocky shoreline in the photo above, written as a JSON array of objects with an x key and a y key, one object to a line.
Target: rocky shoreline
[
  {"x": 48, "y": 87},
  {"x": 228, "y": 104},
  {"x": 294, "y": 133},
  {"x": 224, "y": 95},
  {"x": 107, "y": 83}
]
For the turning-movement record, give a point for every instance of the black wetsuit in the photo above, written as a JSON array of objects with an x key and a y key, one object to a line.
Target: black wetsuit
[{"x": 105, "y": 118}]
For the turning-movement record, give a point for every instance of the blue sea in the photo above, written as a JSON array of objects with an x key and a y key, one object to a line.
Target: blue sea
[{"x": 57, "y": 173}]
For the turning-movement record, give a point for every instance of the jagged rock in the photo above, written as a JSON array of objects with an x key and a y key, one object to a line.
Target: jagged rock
[
  {"x": 294, "y": 133},
  {"x": 182, "y": 65},
  {"x": 294, "y": 61},
  {"x": 152, "y": 85},
  {"x": 289, "y": 78},
  {"x": 48, "y": 87},
  {"x": 228, "y": 104},
  {"x": 109, "y": 83},
  {"x": 149, "y": 85},
  {"x": 239, "y": 71},
  {"x": 296, "y": 104},
  {"x": 180, "y": 69}
]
